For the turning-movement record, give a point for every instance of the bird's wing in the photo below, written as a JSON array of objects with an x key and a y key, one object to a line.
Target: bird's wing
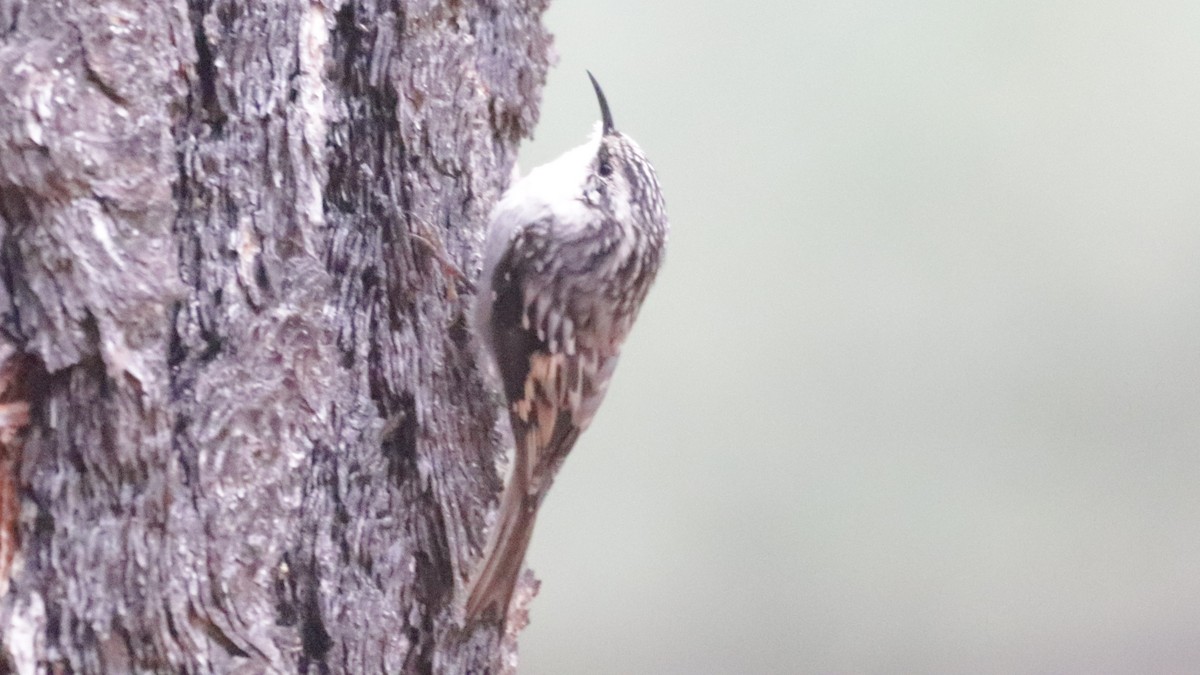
[
  {"x": 553, "y": 384},
  {"x": 554, "y": 377}
]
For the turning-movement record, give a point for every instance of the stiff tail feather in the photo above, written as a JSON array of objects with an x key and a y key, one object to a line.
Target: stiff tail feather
[{"x": 491, "y": 587}]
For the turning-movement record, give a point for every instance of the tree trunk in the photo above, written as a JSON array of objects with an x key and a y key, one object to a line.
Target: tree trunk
[{"x": 241, "y": 422}]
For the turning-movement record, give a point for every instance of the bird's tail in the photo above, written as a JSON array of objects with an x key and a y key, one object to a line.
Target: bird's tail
[{"x": 491, "y": 587}]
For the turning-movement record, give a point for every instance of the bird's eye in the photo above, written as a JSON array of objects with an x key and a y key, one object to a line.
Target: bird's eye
[{"x": 605, "y": 169}]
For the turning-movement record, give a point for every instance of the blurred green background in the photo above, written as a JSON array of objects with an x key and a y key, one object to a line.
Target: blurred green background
[{"x": 918, "y": 390}]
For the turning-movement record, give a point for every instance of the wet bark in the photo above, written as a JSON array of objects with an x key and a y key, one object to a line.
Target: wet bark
[{"x": 242, "y": 426}]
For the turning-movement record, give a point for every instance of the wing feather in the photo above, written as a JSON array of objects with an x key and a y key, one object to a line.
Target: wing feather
[{"x": 554, "y": 385}]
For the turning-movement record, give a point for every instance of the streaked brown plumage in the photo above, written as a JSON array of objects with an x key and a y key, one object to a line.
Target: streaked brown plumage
[{"x": 571, "y": 252}]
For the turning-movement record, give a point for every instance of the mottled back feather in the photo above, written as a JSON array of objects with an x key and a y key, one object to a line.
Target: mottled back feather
[{"x": 572, "y": 251}]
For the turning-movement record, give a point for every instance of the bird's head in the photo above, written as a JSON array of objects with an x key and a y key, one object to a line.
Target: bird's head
[{"x": 620, "y": 180}]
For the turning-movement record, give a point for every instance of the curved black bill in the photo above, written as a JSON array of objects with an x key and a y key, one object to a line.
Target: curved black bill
[{"x": 605, "y": 113}]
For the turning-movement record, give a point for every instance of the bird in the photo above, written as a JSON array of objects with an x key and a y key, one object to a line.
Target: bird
[{"x": 570, "y": 252}]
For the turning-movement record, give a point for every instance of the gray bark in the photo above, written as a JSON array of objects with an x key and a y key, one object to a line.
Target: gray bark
[{"x": 253, "y": 436}]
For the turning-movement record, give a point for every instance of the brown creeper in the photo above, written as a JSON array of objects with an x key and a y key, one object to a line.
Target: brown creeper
[{"x": 571, "y": 251}]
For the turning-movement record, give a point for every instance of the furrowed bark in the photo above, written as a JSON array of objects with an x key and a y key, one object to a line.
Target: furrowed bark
[{"x": 255, "y": 437}]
